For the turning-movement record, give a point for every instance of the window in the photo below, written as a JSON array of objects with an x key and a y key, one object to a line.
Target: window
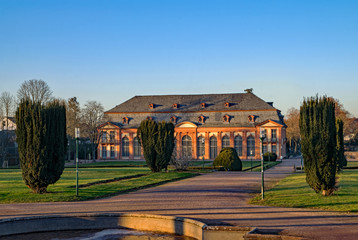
[
  {"x": 186, "y": 147},
  {"x": 201, "y": 119},
  {"x": 112, "y": 152},
  {"x": 201, "y": 146},
  {"x": 104, "y": 137},
  {"x": 203, "y": 105},
  {"x": 151, "y": 105},
  {"x": 213, "y": 147},
  {"x": 125, "y": 147},
  {"x": 226, "y": 118},
  {"x": 251, "y": 118},
  {"x": 125, "y": 120},
  {"x": 273, "y": 135},
  {"x": 226, "y": 142},
  {"x": 238, "y": 145},
  {"x": 112, "y": 137},
  {"x": 274, "y": 148},
  {"x": 136, "y": 147},
  {"x": 250, "y": 146},
  {"x": 104, "y": 152},
  {"x": 227, "y": 104},
  {"x": 175, "y": 105},
  {"x": 173, "y": 119},
  {"x": 264, "y": 148}
]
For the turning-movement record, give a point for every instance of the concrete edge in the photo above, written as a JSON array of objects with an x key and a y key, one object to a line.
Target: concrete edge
[{"x": 142, "y": 222}]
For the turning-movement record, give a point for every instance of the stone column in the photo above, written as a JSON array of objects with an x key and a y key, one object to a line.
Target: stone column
[
  {"x": 131, "y": 150},
  {"x": 207, "y": 145},
  {"x": 244, "y": 145}
]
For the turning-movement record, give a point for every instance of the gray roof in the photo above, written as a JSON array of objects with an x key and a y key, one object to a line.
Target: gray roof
[
  {"x": 189, "y": 109},
  {"x": 192, "y": 103}
]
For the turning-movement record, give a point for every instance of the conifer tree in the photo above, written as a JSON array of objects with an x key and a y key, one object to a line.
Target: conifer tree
[
  {"x": 41, "y": 138},
  {"x": 318, "y": 140},
  {"x": 146, "y": 133},
  {"x": 341, "y": 159},
  {"x": 164, "y": 145},
  {"x": 158, "y": 143}
]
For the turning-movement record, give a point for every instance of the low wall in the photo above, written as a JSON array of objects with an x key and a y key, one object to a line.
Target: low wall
[{"x": 144, "y": 222}]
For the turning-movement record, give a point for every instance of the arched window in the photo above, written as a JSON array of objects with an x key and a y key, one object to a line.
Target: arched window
[
  {"x": 136, "y": 147},
  {"x": 186, "y": 147},
  {"x": 250, "y": 146},
  {"x": 125, "y": 147},
  {"x": 226, "y": 142},
  {"x": 238, "y": 145},
  {"x": 201, "y": 146},
  {"x": 213, "y": 147}
]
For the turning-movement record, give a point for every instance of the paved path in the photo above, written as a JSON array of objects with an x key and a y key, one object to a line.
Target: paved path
[{"x": 216, "y": 198}]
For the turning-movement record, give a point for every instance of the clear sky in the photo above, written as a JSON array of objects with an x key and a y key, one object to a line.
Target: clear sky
[{"x": 110, "y": 51}]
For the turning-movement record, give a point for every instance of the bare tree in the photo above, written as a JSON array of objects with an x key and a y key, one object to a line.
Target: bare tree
[
  {"x": 35, "y": 90},
  {"x": 73, "y": 112},
  {"x": 92, "y": 117},
  {"x": 7, "y": 107}
]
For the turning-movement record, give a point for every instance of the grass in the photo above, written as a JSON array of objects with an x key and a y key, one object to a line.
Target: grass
[
  {"x": 13, "y": 189},
  {"x": 293, "y": 191}
]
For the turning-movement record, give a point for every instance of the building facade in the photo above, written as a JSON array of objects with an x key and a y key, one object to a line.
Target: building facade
[{"x": 204, "y": 124}]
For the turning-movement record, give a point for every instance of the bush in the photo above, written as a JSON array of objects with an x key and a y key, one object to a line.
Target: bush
[
  {"x": 228, "y": 159},
  {"x": 269, "y": 156}
]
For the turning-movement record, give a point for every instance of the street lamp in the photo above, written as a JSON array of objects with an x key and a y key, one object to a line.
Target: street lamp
[
  {"x": 77, "y": 136},
  {"x": 262, "y": 137},
  {"x": 251, "y": 158},
  {"x": 203, "y": 151}
]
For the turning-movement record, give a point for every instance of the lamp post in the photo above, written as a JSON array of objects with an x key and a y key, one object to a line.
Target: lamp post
[
  {"x": 77, "y": 135},
  {"x": 262, "y": 137},
  {"x": 251, "y": 159},
  {"x": 203, "y": 147}
]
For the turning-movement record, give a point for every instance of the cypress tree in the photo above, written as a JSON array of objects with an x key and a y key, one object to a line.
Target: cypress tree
[
  {"x": 158, "y": 143},
  {"x": 341, "y": 159},
  {"x": 146, "y": 133},
  {"x": 318, "y": 142},
  {"x": 42, "y": 143},
  {"x": 164, "y": 145}
]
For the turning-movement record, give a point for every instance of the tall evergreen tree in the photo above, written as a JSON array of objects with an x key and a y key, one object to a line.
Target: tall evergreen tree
[
  {"x": 341, "y": 159},
  {"x": 158, "y": 143},
  {"x": 147, "y": 132},
  {"x": 164, "y": 145},
  {"x": 41, "y": 137},
  {"x": 318, "y": 141}
]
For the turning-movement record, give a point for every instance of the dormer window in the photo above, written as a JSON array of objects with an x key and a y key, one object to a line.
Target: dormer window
[
  {"x": 227, "y": 104},
  {"x": 175, "y": 105},
  {"x": 151, "y": 105},
  {"x": 203, "y": 105},
  {"x": 251, "y": 118},
  {"x": 226, "y": 118},
  {"x": 149, "y": 118},
  {"x": 201, "y": 119},
  {"x": 173, "y": 119},
  {"x": 125, "y": 120}
]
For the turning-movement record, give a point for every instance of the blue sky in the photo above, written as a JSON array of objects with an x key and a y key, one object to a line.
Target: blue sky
[{"x": 110, "y": 51}]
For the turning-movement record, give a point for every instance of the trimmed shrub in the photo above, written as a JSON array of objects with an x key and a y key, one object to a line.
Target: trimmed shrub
[
  {"x": 229, "y": 160},
  {"x": 269, "y": 156}
]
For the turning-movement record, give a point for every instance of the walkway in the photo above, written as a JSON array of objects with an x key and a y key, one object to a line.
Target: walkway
[{"x": 218, "y": 198}]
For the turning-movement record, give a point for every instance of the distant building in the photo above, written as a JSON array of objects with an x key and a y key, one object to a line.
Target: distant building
[
  {"x": 8, "y": 123},
  {"x": 204, "y": 124}
]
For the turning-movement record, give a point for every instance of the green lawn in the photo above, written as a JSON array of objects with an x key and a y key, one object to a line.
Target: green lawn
[
  {"x": 13, "y": 189},
  {"x": 293, "y": 191}
]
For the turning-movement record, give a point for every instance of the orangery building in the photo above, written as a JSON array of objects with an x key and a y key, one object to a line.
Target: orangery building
[{"x": 204, "y": 124}]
